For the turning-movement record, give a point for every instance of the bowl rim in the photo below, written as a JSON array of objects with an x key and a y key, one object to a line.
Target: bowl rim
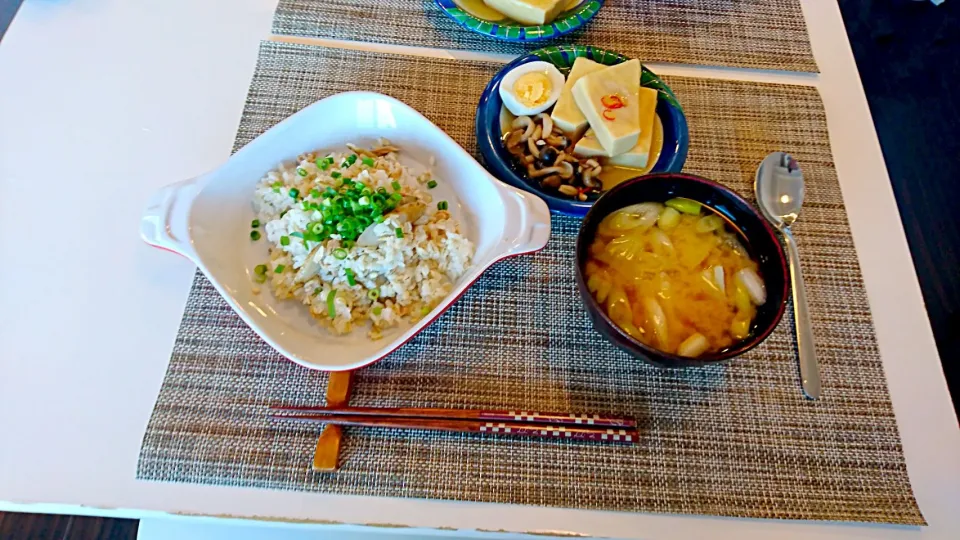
[
  {"x": 167, "y": 220},
  {"x": 487, "y": 143},
  {"x": 574, "y": 19},
  {"x": 651, "y": 353}
]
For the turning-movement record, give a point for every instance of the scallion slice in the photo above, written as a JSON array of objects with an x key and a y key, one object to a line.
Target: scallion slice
[{"x": 331, "y": 307}]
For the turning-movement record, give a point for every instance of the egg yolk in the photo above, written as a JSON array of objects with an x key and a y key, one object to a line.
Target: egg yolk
[{"x": 532, "y": 89}]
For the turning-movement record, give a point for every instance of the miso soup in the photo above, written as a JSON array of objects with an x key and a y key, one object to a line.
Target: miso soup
[{"x": 674, "y": 277}]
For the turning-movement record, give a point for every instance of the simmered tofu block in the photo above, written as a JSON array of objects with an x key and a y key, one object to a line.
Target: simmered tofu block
[
  {"x": 638, "y": 156},
  {"x": 529, "y": 11},
  {"x": 566, "y": 114},
  {"x": 610, "y": 100}
]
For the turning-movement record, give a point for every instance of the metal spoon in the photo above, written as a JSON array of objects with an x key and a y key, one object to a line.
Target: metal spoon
[{"x": 779, "y": 190}]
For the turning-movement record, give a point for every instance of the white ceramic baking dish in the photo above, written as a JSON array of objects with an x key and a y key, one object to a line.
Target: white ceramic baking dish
[{"x": 207, "y": 219}]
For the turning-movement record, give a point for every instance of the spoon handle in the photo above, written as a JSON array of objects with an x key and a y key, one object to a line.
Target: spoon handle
[{"x": 809, "y": 368}]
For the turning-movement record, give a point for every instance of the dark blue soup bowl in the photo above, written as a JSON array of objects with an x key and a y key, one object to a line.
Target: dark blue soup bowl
[
  {"x": 755, "y": 234},
  {"x": 499, "y": 162}
]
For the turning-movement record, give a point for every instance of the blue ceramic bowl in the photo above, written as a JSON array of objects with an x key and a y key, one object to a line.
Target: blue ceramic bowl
[
  {"x": 499, "y": 162},
  {"x": 508, "y": 30},
  {"x": 755, "y": 234}
]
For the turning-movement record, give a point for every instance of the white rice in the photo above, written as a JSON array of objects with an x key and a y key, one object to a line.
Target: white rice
[{"x": 411, "y": 274}]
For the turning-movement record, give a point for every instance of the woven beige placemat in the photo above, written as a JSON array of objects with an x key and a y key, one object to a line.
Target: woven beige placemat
[
  {"x": 764, "y": 34},
  {"x": 734, "y": 440}
]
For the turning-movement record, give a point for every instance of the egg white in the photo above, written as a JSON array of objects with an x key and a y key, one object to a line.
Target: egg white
[{"x": 510, "y": 100}]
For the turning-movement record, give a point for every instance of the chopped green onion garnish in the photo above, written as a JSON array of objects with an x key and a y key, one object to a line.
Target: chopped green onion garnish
[
  {"x": 347, "y": 244},
  {"x": 317, "y": 291},
  {"x": 276, "y": 190},
  {"x": 379, "y": 219},
  {"x": 260, "y": 278},
  {"x": 396, "y": 185},
  {"x": 431, "y": 184},
  {"x": 373, "y": 294},
  {"x": 395, "y": 197},
  {"x": 255, "y": 223},
  {"x": 377, "y": 310},
  {"x": 352, "y": 159},
  {"x": 351, "y": 279},
  {"x": 367, "y": 161},
  {"x": 316, "y": 228},
  {"x": 442, "y": 205},
  {"x": 294, "y": 193},
  {"x": 340, "y": 254},
  {"x": 331, "y": 307},
  {"x": 335, "y": 174},
  {"x": 399, "y": 232},
  {"x": 684, "y": 205},
  {"x": 315, "y": 193},
  {"x": 424, "y": 310},
  {"x": 297, "y": 234},
  {"x": 301, "y": 171},
  {"x": 260, "y": 269},
  {"x": 279, "y": 269},
  {"x": 254, "y": 235},
  {"x": 278, "y": 183},
  {"x": 284, "y": 240}
]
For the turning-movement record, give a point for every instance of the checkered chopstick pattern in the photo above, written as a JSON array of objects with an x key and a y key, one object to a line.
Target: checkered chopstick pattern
[
  {"x": 627, "y": 436},
  {"x": 559, "y": 418}
]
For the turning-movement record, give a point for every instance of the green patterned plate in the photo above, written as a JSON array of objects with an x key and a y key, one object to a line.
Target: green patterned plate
[{"x": 574, "y": 17}]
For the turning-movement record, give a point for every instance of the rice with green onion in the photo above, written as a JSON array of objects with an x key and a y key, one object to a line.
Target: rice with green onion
[{"x": 357, "y": 237}]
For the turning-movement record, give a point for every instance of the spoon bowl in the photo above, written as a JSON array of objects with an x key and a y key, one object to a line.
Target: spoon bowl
[{"x": 779, "y": 189}]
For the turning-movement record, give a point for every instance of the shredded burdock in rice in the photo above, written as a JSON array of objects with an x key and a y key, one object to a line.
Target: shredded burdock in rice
[{"x": 356, "y": 236}]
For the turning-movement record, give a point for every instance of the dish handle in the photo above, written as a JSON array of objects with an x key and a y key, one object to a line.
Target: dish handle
[
  {"x": 164, "y": 222},
  {"x": 528, "y": 222}
]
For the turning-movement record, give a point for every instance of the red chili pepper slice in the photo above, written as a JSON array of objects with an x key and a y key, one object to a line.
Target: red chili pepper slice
[
  {"x": 608, "y": 114},
  {"x": 612, "y": 101}
]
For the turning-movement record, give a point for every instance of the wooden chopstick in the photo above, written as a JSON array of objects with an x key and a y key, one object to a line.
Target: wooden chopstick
[
  {"x": 516, "y": 416},
  {"x": 582, "y": 432}
]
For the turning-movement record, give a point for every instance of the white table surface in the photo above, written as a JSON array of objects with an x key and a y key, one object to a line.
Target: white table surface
[{"x": 104, "y": 101}]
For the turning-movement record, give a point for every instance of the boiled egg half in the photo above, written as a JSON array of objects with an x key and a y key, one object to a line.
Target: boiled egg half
[{"x": 531, "y": 88}]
